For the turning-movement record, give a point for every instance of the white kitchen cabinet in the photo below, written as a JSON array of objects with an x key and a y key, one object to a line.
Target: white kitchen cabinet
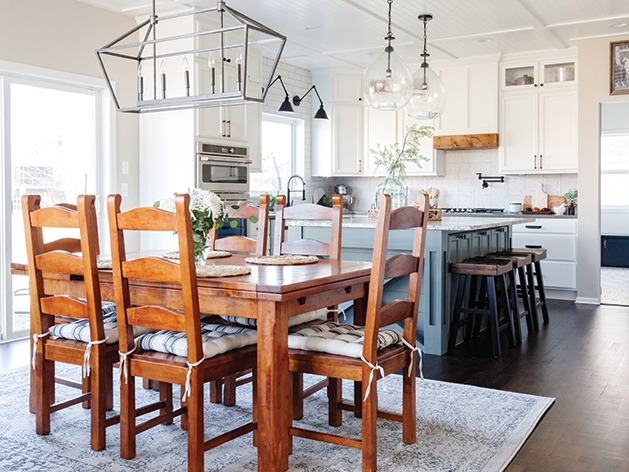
[
  {"x": 472, "y": 103},
  {"x": 337, "y": 143},
  {"x": 559, "y": 237},
  {"x": 538, "y": 132},
  {"x": 553, "y": 70}
]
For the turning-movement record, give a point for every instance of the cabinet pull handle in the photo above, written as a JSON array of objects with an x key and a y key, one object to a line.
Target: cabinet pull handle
[
  {"x": 360, "y": 165},
  {"x": 604, "y": 243},
  {"x": 541, "y": 85},
  {"x": 462, "y": 236},
  {"x": 532, "y": 246},
  {"x": 533, "y": 226},
  {"x": 534, "y": 85},
  {"x": 540, "y": 161},
  {"x": 223, "y": 133},
  {"x": 229, "y": 128},
  {"x": 535, "y": 161}
]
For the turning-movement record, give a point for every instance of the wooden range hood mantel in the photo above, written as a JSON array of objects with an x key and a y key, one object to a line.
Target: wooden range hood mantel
[{"x": 466, "y": 141}]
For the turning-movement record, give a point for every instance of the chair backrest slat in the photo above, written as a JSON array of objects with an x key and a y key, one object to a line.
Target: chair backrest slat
[
  {"x": 136, "y": 309},
  {"x": 60, "y": 261},
  {"x": 245, "y": 211},
  {"x": 62, "y": 305},
  {"x": 410, "y": 265},
  {"x": 55, "y": 217}
]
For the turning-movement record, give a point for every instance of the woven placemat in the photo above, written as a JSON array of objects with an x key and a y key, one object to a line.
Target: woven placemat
[
  {"x": 209, "y": 255},
  {"x": 282, "y": 260},
  {"x": 221, "y": 270}
]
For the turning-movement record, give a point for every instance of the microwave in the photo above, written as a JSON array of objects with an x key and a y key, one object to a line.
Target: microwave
[{"x": 224, "y": 170}]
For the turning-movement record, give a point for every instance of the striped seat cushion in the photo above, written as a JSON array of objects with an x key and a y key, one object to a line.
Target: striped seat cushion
[
  {"x": 342, "y": 339},
  {"x": 216, "y": 339},
  {"x": 320, "y": 314},
  {"x": 79, "y": 330}
]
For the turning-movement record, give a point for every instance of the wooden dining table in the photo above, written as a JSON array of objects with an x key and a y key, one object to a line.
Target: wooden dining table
[{"x": 271, "y": 294}]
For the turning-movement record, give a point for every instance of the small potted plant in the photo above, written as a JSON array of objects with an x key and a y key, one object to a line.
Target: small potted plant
[{"x": 572, "y": 197}]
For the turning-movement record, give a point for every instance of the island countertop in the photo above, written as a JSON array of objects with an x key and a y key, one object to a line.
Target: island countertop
[{"x": 448, "y": 223}]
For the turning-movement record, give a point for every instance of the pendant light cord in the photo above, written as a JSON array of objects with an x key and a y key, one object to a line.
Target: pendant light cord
[
  {"x": 389, "y": 37},
  {"x": 425, "y": 55}
]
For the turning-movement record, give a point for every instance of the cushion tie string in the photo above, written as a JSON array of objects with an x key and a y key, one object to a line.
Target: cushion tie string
[
  {"x": 411, "y": 363},
  {"x": 123, "y": 363},
  {"x": 186, "y": 393},
  {"x": 371, "y": 376},
  {"x": 87, "y": 355},
  {"x": 340, "y": 311},
  {"x": 35, "y": 339}
]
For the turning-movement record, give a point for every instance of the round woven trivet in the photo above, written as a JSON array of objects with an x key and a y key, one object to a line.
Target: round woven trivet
[
  {"x": 282, "y": 260},
  {"x": 209, "y": 255},
  {"x": 221, "y": 270}
]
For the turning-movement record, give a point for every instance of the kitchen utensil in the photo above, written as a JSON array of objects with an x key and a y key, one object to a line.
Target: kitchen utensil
[
  {"x": 560, "y": 210},
  {"x": 340, "y": 189},
  {"x": 539, "y": 198}
]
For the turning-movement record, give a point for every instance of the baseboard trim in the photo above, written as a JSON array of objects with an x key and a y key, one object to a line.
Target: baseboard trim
[{"x": 588, "y": 301}]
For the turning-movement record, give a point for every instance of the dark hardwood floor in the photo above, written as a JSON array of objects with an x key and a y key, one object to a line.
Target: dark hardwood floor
[{"x": 581, "y": 358}]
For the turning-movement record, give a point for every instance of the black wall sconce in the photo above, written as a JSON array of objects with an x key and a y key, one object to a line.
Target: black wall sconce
[
  {"x": 285, "y": 107},
  {"x": 320, "y": 114},
  {"x": 487, "y": 179}
]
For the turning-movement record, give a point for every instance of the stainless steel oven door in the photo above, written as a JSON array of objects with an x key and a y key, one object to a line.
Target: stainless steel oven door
[{"x": 228, "y": 177}]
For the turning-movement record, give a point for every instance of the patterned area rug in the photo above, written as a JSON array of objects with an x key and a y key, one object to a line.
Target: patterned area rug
[{"x": 460, "y": 428}]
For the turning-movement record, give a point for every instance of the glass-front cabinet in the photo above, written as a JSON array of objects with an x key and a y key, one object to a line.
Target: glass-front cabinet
[{"x": 551, "y": 72}]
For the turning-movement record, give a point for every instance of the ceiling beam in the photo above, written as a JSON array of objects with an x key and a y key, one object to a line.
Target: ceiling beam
[{"x": 540, "y": 28}]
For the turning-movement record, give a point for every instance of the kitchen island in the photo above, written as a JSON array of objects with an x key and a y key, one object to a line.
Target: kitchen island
[{"x": 453, "y": 239}]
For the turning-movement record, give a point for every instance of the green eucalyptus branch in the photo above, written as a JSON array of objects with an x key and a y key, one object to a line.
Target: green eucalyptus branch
[{"x": 395, "y": 158}]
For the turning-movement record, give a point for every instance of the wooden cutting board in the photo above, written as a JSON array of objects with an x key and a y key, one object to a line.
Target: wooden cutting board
[
  {"x": 539, "y": 198},
  {"x": 553, "y": 201}
]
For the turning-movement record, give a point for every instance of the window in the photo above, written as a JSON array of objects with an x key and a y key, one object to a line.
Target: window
[
  {"x": 282, "y": 148},
  {"x": 53, "y": 139},
  {"x": 614, "y": 169}
]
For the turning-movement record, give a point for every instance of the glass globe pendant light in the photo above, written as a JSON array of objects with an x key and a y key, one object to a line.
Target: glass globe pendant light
[
  {"x": 388, "y": 81},
  {"x": 428, "y": 99}
]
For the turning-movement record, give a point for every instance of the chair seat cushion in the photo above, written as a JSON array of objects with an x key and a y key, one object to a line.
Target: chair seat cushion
[
  {"x": 216, "y": 339},
  {"x": 321, "y": 314},
  {"x": 79, "y": 330},
  {"x": 341, "y": 339}
]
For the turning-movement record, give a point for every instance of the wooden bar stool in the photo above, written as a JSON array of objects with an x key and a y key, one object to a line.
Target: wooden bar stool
[
  {"x": 535, "y": 281},
  {"x": 520, "y": 262},
  {"x": 492, "y": 275}
]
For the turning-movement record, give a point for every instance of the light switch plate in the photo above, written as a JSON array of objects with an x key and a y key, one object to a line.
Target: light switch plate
[
  {"x": 124, "y": 190},
  {"x": 125, "y": 167}
]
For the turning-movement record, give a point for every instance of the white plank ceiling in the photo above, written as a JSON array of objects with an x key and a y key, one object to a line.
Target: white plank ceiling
[{"x": 349, "y": 33}]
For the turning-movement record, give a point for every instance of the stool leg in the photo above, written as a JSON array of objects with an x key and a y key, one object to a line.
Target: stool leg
[
  {"x": 493, "y": 316},
  {"x": 540, "y": 289},
  {"x": 509, "y": 314},
  {"x": 480, "y": 302},
  {"x": 533, "y": 303},
  {"x": 524, "y": 292},
  {"x": 515, "y": 311},
  {"x": 456, "y": 315}
]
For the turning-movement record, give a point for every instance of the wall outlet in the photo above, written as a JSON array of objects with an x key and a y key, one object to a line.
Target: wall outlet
[
  {"x": 124, "y": 190},
  {"x": 125, "y": 167}
]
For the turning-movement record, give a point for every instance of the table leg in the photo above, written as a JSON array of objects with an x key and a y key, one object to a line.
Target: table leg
[{"x": 274, "y": 412}]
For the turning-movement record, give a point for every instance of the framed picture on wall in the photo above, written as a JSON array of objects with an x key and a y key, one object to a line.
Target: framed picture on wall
[{"x": 619, "y": 68}]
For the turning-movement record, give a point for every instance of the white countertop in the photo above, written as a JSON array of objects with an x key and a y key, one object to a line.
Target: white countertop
[{"x": 448, "y": 223}]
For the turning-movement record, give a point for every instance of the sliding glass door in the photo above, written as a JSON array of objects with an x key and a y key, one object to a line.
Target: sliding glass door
[{"x": 51, "y": 137}]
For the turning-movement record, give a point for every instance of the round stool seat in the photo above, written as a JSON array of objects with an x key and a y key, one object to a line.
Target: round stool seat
[{"x": 482, "y": 266}]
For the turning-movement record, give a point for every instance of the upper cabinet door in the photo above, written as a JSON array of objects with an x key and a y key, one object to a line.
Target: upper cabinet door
[
  {"x": 472, "y": 104},
  {"x": 381, "y": 128},
  {"x": 558, "y": 129},
  {"x": 518, "y": 133}
]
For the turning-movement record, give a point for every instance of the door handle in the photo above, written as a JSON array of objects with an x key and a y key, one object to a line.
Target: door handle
[
  {"x": 229, "y": 128},
  {"x": 535, "y": 161},
  {"x": 532, "y": 246},
  {"x": 224, "y": 130},
  {"x": 533, "y": 226},
  {"x": 540, "y": 161}
]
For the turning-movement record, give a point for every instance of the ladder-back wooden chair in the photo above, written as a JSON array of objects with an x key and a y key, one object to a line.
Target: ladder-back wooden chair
[
  {"x": 374, "y": 352},
  {"x": 245, "y": 211},
  {"x": 185, "y": 351},
  {"x": 240, "y": 244},
  {"x": 310, "y": 247},
  {"x": 73, "y": 329}
]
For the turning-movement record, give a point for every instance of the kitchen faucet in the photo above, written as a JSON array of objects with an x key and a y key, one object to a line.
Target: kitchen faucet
[{"x": 288, "y": 190}]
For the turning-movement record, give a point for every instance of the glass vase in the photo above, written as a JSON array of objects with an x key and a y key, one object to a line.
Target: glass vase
[
  {"x": 202, "y": 242},
  {"x": 392, "y": 186}
]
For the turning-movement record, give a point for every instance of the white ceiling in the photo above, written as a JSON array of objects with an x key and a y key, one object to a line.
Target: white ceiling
[{"x": 350, "y": 33}]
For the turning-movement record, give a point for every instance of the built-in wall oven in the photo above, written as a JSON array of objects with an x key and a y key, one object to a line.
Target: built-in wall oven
[{"x": 225, "y": 171}]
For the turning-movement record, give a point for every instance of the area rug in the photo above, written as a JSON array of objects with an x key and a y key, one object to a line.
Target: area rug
[{"x": 460, "y": 428}]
